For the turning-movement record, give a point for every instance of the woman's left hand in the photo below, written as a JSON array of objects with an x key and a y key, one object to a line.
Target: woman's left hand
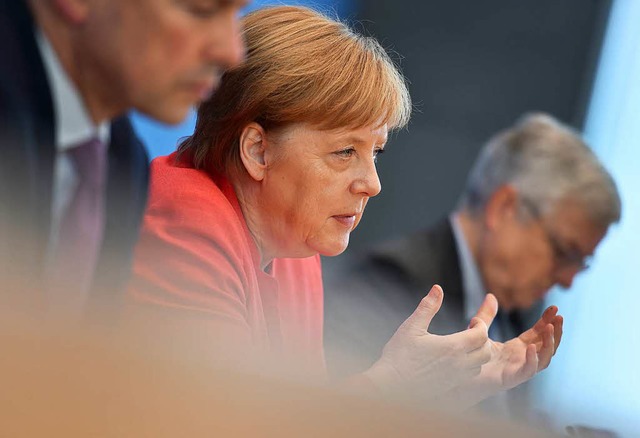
[{"x": 515, "y": 361}]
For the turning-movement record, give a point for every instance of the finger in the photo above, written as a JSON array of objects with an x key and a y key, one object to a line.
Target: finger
[
  {"x": 471, "y": 339},
  {"x": 558, "y": 321},
  {"x": 426, "y": 310},
  {"x": 479, "y": 356},
  {"x": 530, "y": 366},
  {"x": 544, "y": 319},
  {"x": 534, "y": 334},
  {"x": 549, "y": 313},
  {"x": 488, "y": 309},
  {"x": 548, "y": 347},
  {"x": 477, "y": 322}
]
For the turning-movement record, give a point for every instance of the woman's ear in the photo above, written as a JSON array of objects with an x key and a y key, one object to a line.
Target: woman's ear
[{"x": 253, "y": 145}]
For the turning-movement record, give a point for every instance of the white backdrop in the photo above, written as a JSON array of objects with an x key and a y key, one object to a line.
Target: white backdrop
[{"x": 595, "y": 379}]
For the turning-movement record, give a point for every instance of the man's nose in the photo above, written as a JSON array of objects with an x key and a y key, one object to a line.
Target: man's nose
[
  {"x": 565, "y": 276},
  {"x": 225, "y": 46}
]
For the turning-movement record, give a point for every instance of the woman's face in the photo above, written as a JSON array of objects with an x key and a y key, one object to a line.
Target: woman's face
[{"x": 316, "y": 186}]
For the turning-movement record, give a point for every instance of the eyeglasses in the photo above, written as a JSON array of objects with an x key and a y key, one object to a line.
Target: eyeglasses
[
  {"x": 566, "y": 258},
  {"x": 563, "y": 257}
]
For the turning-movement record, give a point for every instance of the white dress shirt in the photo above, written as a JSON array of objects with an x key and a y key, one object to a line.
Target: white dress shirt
[
  {"x": 73, "y": 126},
  {"x": 474, "y": 293},
  {"x": 472, "y": 285}
]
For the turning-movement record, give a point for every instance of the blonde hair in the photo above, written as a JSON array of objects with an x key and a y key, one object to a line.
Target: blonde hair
[{"x": 301, "y": 67}]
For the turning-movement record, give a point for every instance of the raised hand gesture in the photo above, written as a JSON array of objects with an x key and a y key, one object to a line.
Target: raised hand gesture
[
  {"x": 515, "y": 361},
  {"x": 429, "y": 364}
]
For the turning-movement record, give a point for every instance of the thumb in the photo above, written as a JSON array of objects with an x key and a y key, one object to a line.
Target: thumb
[
  {"x": 488, "y": 309},
  {"x": 426, "y": 310},
  {"x": 478, "y": 322}
]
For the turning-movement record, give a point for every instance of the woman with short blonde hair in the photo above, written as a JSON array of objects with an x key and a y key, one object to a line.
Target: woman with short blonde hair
[
  {"x": 301, "y": 67},
  {"x": 279, "y": 171}
]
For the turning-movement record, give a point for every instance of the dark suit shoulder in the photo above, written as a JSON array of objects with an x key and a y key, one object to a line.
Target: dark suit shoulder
[
  {"x": 126, "y": 146},
  {"x": 423, "y": 258},
  {"x": 128, "y": 179},
  {"x": 127, "y": 188},
  {"x": 23, "y": 73}
]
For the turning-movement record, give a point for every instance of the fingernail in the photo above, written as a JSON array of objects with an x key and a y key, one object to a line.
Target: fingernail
[
  {"x": 430, "y": 300},
  {"x": 432, "y": 296}
]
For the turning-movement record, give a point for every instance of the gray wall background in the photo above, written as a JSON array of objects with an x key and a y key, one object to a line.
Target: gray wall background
[{"x": 473, "y": 67}]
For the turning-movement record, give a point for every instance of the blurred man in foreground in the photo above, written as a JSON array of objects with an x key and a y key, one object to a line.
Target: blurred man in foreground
[{"x": 73, "y": 177}]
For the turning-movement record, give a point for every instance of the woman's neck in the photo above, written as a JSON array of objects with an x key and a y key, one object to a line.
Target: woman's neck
[{"x": 248, "y": 199}]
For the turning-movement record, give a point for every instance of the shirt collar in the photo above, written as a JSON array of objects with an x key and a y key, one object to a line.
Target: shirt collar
[
  {"x": 73, "y": 123},
  {"x": 472, "y": 285}
]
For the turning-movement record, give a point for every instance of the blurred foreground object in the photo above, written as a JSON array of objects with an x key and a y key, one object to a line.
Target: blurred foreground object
[{"x": 60, "y": 384}]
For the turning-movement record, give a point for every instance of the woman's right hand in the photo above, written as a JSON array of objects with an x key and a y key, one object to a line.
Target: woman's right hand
[{"x": 417, "y": 363}]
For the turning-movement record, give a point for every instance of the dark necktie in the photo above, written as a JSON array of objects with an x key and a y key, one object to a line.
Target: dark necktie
[{"x": 80, "y": 234}]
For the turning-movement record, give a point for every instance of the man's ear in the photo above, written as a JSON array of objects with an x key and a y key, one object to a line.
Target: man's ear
[
  {"x": 253, "y": 146},
  {"x": 73, "y": 11},
  {"x": 502, "y": 207}
]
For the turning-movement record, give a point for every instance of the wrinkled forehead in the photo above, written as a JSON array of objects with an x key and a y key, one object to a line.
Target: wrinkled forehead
[
  {"x": 374, "y": 133},
  {"x": 377, "y": 130}
]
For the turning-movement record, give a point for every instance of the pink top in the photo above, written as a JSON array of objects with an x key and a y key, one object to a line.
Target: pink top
[{"x": 196, "y": 255}]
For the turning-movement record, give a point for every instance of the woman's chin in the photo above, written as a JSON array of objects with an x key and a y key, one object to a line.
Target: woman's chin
[
  {"x": 334, "y": 250},
  {"x": 328, "y": 244}
]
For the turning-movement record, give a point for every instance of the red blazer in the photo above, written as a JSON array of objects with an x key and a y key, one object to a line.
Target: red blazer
[{"x": 196, "y": 257}]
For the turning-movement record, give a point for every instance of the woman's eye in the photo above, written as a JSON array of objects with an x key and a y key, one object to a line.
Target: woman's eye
[
  {"x": 345, "y": 153},
  {"x": 377, "y": 153}
]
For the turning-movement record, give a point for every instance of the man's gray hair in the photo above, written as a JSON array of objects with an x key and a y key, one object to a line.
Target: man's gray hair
[{"x": 546, "y": 162}]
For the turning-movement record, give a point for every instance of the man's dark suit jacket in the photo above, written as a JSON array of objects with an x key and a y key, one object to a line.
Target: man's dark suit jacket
[
  {"x": 28, "y": 153},
  {"x": 367, "y": 299}
]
